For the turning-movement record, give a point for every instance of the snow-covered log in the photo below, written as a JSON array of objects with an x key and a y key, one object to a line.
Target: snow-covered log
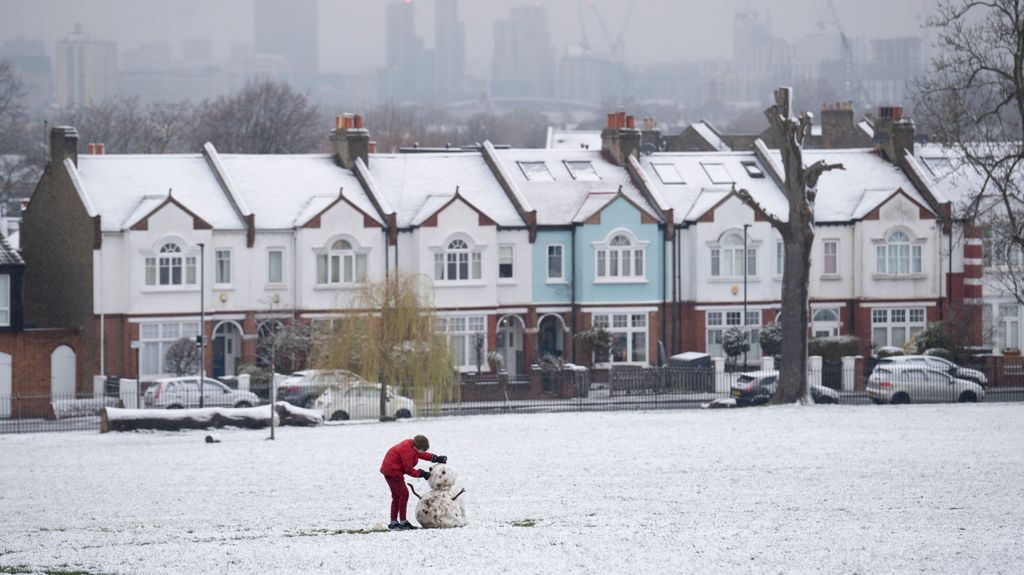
[
  {"x": 64, "y": 408},
  {"x": 289, "y": 414},
  {"x": 116, "y": 419}
]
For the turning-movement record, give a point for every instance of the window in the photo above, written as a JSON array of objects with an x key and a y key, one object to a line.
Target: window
[
  {"x": 506, "y": 261},
  {"x": 620, "y": 258},
  {"x": 727, "y": 258},
  {"x": 780, "y": 257},
  {"x": 717, "y": 173},
  {"x": 831, "y": 257},
  {"x": 1009, "y": 325},
  {"x": 467, "y": 339},
  {"x": 897, "y": 256},
  {"x": 536, "y": 171},
  {"x": 582, "y": 171},
  {"x": 718, "y": 322},
  {"x": 157, "y": 338},
  {"x": 457, "y": 263},
  {"x": 825, "y": 322},
  {"x": 753, "y": 170},
  {"x": 341, "y": 264},
  {"x": 275, "y": 266},
  {"x": 222, "y": 267},
  {"x": 629, "y": 335},
  {"x": 556, "y": 269},
  {"x": 5, "y": 300},
  {"x": 668, "y": 173},
  {"x": 170, "y": 267},
  {"x": 893, "y": 327}
]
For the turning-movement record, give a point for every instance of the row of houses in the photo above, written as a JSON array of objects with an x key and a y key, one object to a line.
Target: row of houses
[{"x": 529, "y": 247}]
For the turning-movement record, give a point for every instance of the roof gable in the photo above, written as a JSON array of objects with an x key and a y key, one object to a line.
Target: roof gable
[{"x": 142, "y": 223}]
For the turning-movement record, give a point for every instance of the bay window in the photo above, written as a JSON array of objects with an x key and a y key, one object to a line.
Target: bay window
[{"x": 629, "y": 335}]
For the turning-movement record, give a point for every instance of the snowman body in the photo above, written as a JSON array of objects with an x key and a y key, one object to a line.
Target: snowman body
[{"x": 441, "y": 507}]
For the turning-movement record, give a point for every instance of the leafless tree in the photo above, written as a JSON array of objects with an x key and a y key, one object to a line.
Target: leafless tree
[
  {"x": 182, "y": 358},
  {"x": 264, "y": 117},
  {"x": 797, "y": 231},
  {"x": 972, "y": 101},
  {"x": 19, "y": 159}
]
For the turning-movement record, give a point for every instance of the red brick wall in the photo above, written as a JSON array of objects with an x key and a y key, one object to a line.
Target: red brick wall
[{"x": 30, "y": 367}]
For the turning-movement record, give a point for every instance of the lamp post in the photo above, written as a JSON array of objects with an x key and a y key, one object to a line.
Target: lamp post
[
  {"x": 746, "y": 331},
  {"x": 201, "y": 340}
]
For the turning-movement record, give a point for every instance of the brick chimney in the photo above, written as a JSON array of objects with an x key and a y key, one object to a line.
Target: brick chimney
[
  {"x": 837, "y": 124},
  {"x": 63, "y": 144},
  {"x": 620, "y": 139},
  {"x": 650, "y": 134},
  {"x": 893, "y": 134},
  {"x": 350, "y": 140}
]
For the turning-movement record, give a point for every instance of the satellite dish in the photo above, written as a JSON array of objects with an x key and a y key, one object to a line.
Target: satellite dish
[{"x": 648, "y": 149}]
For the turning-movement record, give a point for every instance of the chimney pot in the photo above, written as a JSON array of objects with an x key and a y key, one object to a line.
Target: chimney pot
[
  {"x": 611, "y": 120},
  {"x": 99, "y": 148},
  {"x": 631, "y": 122},
  {"x": 358, "y": 121},
  {"x": 373, "y": 146},
  {"x": 620, "y": 120},
  {"x": 90, "y": 149},
  {"x": 337, "y": 122}
]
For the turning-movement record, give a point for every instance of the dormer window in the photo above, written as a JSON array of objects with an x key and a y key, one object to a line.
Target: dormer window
[
  {"x": 536, "y": 171},
  {"x": 170, "y": 267},
  {"x": 582, "y": 171},
  {"x": 457, "y": 262}
]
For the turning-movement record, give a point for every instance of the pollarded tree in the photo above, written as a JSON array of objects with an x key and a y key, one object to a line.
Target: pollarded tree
[
  {"x": 797, "y": 230},
  {"x": 391, "y": 335}
]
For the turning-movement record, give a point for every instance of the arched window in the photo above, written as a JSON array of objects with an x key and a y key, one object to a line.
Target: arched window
[
  {"x": 457, "y": 262},
  {"x": 341, "y": 264},
  {"x": 620, "y": 258},
  {"x": 898, "y": 256},
  {"x": 825, "y": 322},
  {"x": 727, "y": 257},
  {"x": 170, "y": 267}
]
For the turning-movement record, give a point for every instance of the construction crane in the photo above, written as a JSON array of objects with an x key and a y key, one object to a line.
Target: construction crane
[
  {"x": 616, "y": 45},
  {"x": 851, "y": 85},
  {"x": 584, "y": 41}
]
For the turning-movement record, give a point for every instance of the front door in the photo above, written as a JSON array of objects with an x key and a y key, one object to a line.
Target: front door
[
  {"x": 62, "y": 373},
  {"x": 550, "y": 336},
  {"x": 227, "y": 343}
]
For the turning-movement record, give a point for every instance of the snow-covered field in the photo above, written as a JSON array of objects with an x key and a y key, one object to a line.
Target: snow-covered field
[{"x": 826, "y": 489}]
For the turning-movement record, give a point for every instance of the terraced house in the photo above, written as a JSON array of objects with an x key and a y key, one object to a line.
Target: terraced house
[{"x": 526, "y": 248}]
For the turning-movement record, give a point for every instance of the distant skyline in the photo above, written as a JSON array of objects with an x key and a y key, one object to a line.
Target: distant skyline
[{"x": 352, "y": 38}]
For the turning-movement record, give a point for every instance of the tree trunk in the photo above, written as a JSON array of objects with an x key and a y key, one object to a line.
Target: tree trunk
[
  {"x": 115, "y": 419},
  {"x": 795, "y": 319}
]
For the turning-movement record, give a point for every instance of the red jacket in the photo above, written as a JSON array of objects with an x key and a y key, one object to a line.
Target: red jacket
[{"x": 401, "y": 459}]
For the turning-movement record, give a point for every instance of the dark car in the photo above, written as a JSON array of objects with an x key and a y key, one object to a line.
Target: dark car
[{"x": 758, "y": 387}]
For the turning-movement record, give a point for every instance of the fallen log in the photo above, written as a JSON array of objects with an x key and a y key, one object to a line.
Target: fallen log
[
  {"x": 289, "y": 414},
  {"x": 116, "y": 419}
]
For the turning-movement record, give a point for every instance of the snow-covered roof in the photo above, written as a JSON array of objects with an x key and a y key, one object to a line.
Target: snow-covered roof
[
  {"x": 116, "y": 186},
  {"x": 557, "y": 196},
  {"x": 8, "y": 253},
  {"x": 559, "y": 139},
  {"x": 704, "y": 130},
  {"x": 286, "y": 191},
  {"x": 949, "y": 177},
  {"x": 416, "y": 185}
]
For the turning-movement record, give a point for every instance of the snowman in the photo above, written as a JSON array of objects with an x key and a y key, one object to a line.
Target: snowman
[{"x": 439, "y": 508}]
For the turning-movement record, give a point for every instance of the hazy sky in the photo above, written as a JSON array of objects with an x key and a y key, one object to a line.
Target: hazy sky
[{"x": 352, "y": 31}]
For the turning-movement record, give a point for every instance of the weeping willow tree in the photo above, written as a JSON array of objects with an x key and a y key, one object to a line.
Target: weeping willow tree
[{"x": 389, "y": 334}]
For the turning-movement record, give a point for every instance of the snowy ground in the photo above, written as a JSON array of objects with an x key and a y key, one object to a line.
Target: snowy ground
[{"x": 826, "y": 489}]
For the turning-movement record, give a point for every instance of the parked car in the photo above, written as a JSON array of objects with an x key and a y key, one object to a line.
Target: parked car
[
  {"x": 361, "y": 401},
  {"x": 182, "y": 392},
  {"x": 758, "y": 387},
  {"x": 303, "y": 387},
  {"x": 936, "y": 362},
  {"x": 916, "y": 383}
]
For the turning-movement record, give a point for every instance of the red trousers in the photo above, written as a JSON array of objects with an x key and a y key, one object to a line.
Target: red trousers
[{"x": 399, "y": 496}]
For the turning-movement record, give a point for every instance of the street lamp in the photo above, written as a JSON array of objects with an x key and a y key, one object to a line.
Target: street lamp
[
  {"x": 746, "y": 331},
  {"x": 201, "y": 340}
]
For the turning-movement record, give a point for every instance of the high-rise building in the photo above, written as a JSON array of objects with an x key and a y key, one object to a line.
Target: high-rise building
[
  {"x": 290, "y": 28},
  {"x": 85, "y": 70},
  {"x": 449, "y": 52},
  {"x": 524, "y": 58},
  {"x": 894, "y": 63},
  {"x": 407, "y": 73}
]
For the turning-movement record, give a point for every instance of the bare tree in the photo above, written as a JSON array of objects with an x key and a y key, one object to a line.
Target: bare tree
[
  {"x": 797, "y": 231},
  {"x": 264, "y": 117},
  {"x": 972, "y": 101},
  {"x": 20, "y": 160},
  {"x": 182, "y": 358}
]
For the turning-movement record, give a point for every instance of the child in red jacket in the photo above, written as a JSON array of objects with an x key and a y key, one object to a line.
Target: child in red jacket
[{"x": 401, "y": 460}]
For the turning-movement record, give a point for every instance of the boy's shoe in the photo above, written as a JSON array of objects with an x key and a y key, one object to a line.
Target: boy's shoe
[
  {"x": 406, "y": 525},
  {"x": 394, "y": 525}
]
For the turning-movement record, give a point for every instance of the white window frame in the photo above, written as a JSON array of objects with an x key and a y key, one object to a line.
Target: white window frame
[
  {"x": 185, "y": 260},
  {"x": 721, "y": 251},
  {"x": 890, "y": 320},
  {"x": 668, "y": 173},
  {"x": 157, "y": 337},
  {"x": 459, "y": 254},
  {"x": 830, "y": 257},
  {"x": 780, "y": 258},
  {"x": 509, "y": 260},
  {"x": 718, "y": 321},
  {"x": 626, "y": 327},
  {"x": 270, "y": 267},
  {"x": 1009, "y": 325},
  {"x": 218, "y": 280},
  {"x": 5, "y": 300},
  {"x": 617, "y": 262},
  {"x": 824, "y": 327},
  {"x": 588, "y": 174},
  {"x": 560, "y": 278},
  {"x": 899, "y": 255},
  {"x": 461, "y": 331},
  {"x": 338, "y": 266},
  {"x": 535, "y": 175}
]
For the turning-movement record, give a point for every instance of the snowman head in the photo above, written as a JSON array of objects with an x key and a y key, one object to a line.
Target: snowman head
[{"x": 442, "y": 477}]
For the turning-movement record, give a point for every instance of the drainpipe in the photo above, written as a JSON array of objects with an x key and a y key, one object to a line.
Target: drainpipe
[
  {"x": 103, "y": 326},
  {"x": 295, "y": 273},
  {"x": 387, "y": 256},
  {"x": 664, "y": 307},
  {"x": 572, "y": 292}
]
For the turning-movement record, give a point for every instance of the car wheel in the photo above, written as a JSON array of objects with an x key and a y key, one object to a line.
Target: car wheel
[
  {"x": 403, "y": 414},
  {"x": 175, "y": 406},
  {"x": 900, "y": 398},
  {"x": 968, "y": 397},
  {"x": 825, "y": 399},
  {"x": 241, "y": 404},
  {"x": 308, "y": 402},
  {"x": 339, "y": 416}
]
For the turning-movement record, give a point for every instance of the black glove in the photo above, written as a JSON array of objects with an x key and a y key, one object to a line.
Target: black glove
[
  {"x": 439, "y": 459},
  {"x": 424, "y": 474}
]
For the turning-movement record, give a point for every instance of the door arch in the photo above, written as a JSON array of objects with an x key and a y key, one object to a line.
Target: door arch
[
  {"x": 227, "y": 348},
  {"x": 62, "y": 373},
  {"x": 551, "y": 336}
]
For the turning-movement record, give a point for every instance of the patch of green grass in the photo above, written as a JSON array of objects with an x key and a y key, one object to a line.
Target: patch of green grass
[
  {"x": 524, "y": 523},
  {"x": 14, "y": 569}
]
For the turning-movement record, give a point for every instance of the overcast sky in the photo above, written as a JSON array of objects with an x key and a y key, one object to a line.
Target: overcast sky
[{"x": 352, "y": 31}]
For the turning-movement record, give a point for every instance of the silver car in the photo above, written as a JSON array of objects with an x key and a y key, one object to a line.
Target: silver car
[
  {"x": 916, "y": 383},
  {"x": 184, "y": 392},
  {"x": 362, "y": 401},
  {"x": 942, "y": 364}
]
